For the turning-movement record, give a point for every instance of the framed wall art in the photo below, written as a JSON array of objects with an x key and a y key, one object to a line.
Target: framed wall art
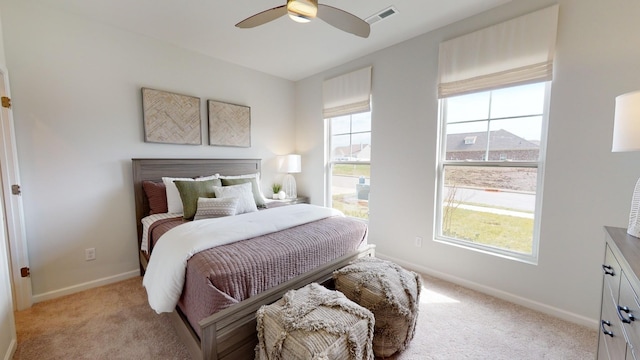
[
  {"x": 229, "y": 124},
  {"x": 171, "y": 118}
]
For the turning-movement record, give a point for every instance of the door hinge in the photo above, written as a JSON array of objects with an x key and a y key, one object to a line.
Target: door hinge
[
  {"x": 6, "y": 102},
  {"x": 24, "y": 272},
  {"x": 15, "y": 190}
]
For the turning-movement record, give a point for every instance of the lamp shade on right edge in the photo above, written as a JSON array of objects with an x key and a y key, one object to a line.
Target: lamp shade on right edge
[{"x": 626, "y": 125}]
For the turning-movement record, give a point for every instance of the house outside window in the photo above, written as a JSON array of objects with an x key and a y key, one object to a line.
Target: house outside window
[
  {"x": 489, "y": 189},
  {"x": 349, "y": 172}
]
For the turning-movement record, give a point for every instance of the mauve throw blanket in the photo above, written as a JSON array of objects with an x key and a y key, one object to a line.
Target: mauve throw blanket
[
  {"x": 164, "y": 276},
  {"x": 225, "y": 275}
]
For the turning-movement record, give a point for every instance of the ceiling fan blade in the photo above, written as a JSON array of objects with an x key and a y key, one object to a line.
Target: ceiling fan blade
[
  {"x": 343, "y": 20},
  {"x": 263, "y": 17}
]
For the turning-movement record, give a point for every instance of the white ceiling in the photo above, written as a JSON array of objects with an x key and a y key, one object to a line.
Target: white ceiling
[{"x": 282, "y": 47}]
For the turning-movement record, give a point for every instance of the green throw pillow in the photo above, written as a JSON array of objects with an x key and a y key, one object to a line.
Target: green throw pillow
[
  {"x": 255, "y": 188},
  {"x": 190, "y": 191}
]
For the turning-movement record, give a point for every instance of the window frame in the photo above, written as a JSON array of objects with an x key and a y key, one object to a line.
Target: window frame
[
  {"x": 442, "y": 162},
  {"x": 330, "y": 163}
]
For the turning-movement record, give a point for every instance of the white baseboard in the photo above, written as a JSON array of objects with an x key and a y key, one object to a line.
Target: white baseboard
[
  {"x": 528, "y": 303},
  {"x": 11, "y": 350},
  {"x": 85, "y": 286}
]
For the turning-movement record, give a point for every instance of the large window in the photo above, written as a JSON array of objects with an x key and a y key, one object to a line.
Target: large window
[
  {"x": 349, "y": 164},
  {"x": 490, "y": 166}
]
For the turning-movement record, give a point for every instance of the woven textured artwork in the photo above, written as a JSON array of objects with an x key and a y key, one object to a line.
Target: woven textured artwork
[
  {"x": 229, "y": 124},
  {"x": 314, "y": 323},
  {"x": 171, "y": 118},
  {"x": 391, "y": 293}
]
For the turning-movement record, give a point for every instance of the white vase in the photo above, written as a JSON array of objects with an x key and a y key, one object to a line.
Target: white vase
[{"x": 282, "y": 195}]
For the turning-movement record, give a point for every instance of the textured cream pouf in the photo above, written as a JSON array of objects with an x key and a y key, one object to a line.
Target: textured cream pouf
[
  {"x": 391, "y": 293},
  {"x": 314, "y": 323}
]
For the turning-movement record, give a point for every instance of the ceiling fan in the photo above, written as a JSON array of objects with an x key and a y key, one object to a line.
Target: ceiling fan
[{"x": 305, "y": 11}]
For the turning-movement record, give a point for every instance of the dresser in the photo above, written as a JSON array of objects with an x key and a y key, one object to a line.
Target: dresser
[{"x": 619, "y": 336}]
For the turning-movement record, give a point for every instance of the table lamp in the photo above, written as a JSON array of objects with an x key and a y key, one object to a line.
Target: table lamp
[
  {"x": 290, "y": 164},
  {"x": 626, "y": 137}
]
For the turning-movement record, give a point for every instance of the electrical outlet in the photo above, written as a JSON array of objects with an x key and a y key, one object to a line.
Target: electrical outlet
[
  {"x": 418, "y": 241},
  {"x": 90, "y": 254}
]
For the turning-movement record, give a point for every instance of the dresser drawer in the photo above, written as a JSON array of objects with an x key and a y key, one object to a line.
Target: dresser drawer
[
  {"x": 628, "y": 311},
  {"x": 612, "y": 273},
  {"x": 603, "y": 353},
  {"x": 611, "y": 332}
]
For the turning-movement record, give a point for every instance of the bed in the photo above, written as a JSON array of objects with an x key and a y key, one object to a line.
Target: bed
[{"x": 229, "y": 333}]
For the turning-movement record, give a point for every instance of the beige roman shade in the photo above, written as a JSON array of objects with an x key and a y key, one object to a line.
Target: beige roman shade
[
  {"x": 515, "y": 52},
  {"x": 347, "y": 94}
]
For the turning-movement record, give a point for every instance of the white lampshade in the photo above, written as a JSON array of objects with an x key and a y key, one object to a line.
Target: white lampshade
[
  {"x": 290, "y": 164},
  {"x": 626, "y": 125},
  {"x": 626, "y": 137}
]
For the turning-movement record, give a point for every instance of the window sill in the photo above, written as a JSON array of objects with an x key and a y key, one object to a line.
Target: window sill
[{"x": 488, "y": 250}]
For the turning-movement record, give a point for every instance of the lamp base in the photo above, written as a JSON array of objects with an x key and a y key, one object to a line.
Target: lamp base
[
  {"x": 289, "y": 186},
  {"x": 634, "y": 215}
]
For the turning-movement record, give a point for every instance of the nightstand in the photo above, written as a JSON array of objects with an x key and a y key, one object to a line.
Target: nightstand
[{"x": 276, "y": 203}]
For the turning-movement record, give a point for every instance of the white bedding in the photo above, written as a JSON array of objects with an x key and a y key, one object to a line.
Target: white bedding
[
  {"x": 165, "y": 273},
  {"x": 147, "y": 221}
]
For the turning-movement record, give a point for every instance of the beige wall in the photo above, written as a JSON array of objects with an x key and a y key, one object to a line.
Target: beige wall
[
  {"x": 76, "y": 88},
  {"x": 586, "y": 186}
]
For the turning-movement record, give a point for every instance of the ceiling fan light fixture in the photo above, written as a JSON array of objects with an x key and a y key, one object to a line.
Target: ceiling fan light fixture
[
  {"x": 306, "y": 10},
  {"x": 302, "y": 10}
]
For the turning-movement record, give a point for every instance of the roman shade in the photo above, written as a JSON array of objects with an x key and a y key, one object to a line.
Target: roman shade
[
  {"x": 347, "y": 94},
  {"x": 515, "y": 52}
]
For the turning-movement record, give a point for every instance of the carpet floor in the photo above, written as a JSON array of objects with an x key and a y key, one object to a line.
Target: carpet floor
[{"x": 115, "y": 322}]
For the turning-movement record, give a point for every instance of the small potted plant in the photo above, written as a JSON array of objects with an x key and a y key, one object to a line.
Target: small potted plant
[{"x": 276, "y": 189}]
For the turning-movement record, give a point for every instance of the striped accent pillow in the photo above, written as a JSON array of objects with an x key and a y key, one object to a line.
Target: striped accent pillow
[{"x": 216, "y": 207}]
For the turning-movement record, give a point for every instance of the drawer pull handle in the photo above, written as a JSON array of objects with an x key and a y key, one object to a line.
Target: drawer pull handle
[
  {"x": 608, "y": 270},
  {"x": 622, "y": 318},
  {"x": 605, "y": 331}
]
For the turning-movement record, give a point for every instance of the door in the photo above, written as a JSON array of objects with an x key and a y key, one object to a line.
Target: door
[{"x": 12, "y": 202}]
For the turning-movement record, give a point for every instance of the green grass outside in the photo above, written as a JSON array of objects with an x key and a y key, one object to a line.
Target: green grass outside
[
  {"x": 351, "y": 207},
  {"x": 502, "y": 231},
  {"x": 352, "y": 170},
  {"x": 347, "y": 202}
]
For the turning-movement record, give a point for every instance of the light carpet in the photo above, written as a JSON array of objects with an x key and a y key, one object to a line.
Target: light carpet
[{"x": 115, "y": 322}]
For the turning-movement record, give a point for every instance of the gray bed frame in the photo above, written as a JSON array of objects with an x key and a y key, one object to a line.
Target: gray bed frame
[{"x": 230, "y": 333}]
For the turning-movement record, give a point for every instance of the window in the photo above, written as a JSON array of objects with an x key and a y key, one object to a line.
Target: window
[
  {"x": 489, "y": 189},
  {"x": 349, "y": 172},
  {"x": 347, "y": 114}
]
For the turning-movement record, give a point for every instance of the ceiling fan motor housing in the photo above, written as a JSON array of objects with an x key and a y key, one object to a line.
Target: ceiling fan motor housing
[{"x": 302, "y": 10}]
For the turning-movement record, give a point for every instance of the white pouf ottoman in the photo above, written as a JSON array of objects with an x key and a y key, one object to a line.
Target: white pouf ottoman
[
  {"x": 391, "y": 293},
  {"x": 314, "y": 323}
]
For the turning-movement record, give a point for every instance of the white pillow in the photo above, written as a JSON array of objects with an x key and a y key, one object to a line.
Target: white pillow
[
  {"x": 174, "y": 201},
  {"x": 216, "y": 207},
  {"x": 243, "y": 192},
  {"x": 247, "y": 176}
]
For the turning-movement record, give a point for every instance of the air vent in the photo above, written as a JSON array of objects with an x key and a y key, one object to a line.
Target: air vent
[{"x": 381, "y": 15}]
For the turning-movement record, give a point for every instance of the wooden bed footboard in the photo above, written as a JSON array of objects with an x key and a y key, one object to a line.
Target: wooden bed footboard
[{"x": 231, "y": 333}]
